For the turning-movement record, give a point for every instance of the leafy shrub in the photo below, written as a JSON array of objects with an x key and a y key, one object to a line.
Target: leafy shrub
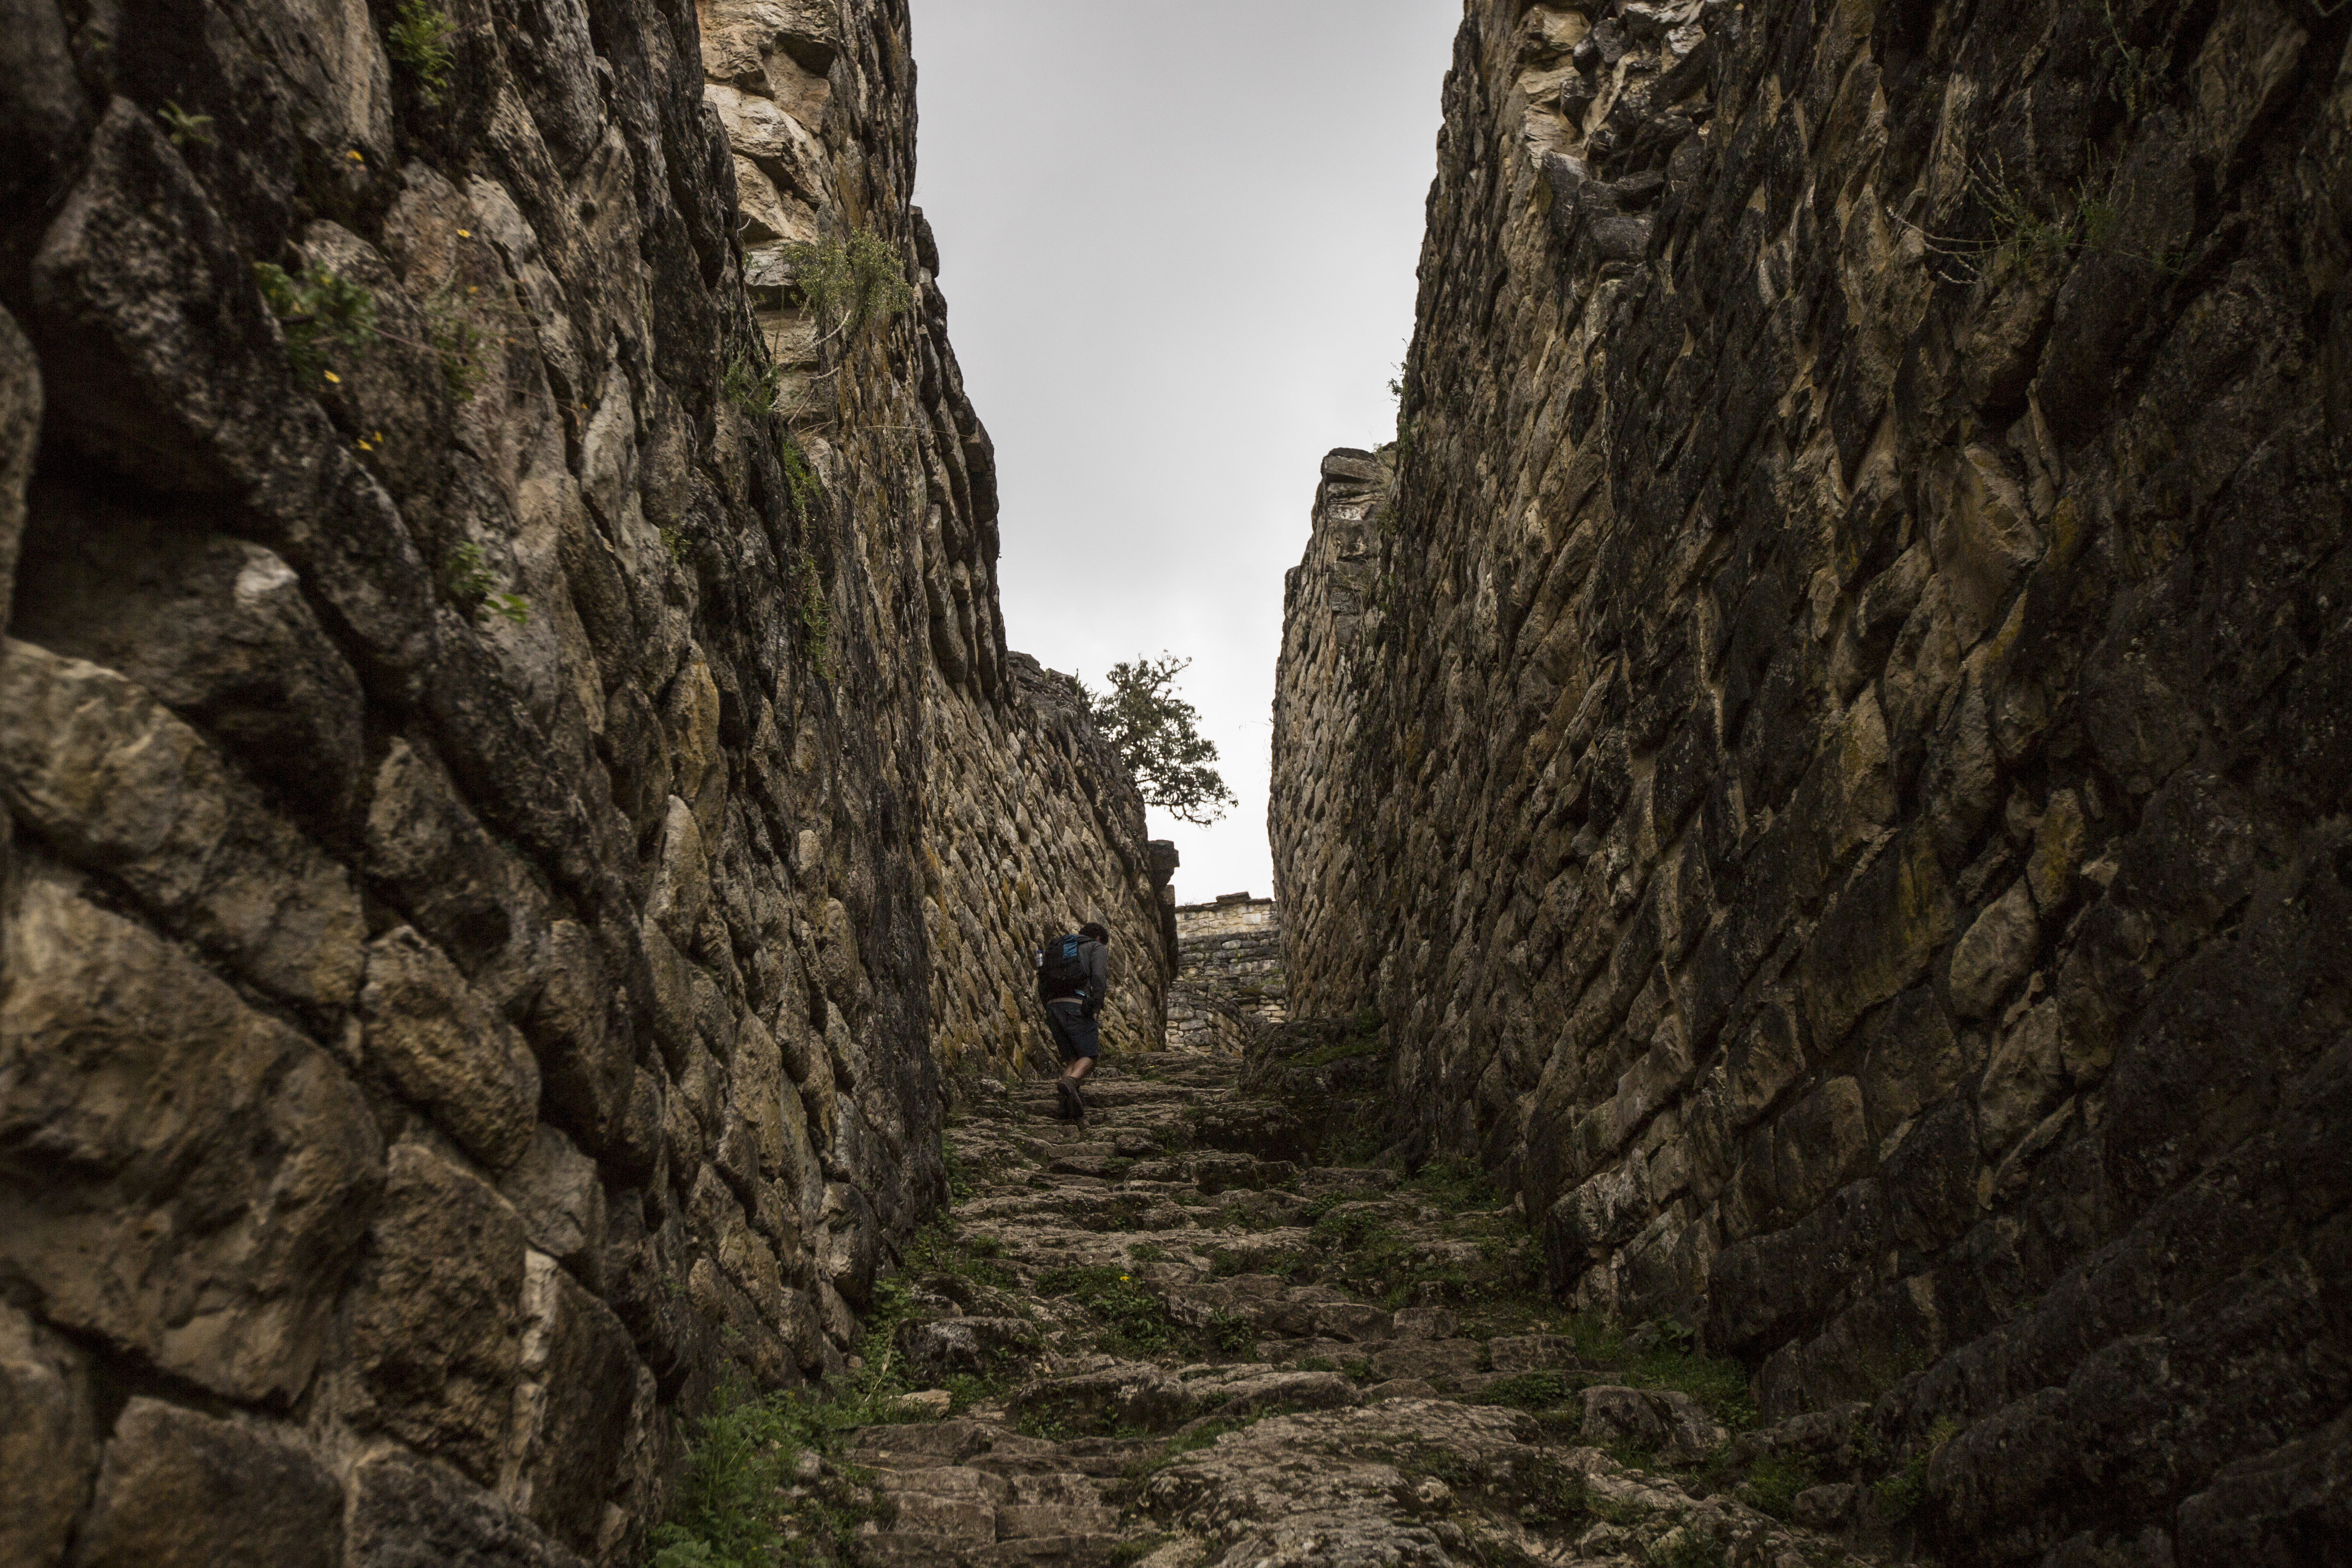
[
  {"x": 815, "y": 613},
  {"x": 473, "y": 585},
  {"x": 849, "y": 285},
  {"x": 316, "y": 312},
  {"x": 419, "y": 40},
  {"x": 1774, "y": 1481}
]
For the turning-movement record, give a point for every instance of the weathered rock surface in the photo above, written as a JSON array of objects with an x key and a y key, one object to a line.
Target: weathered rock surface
[
  {"x": 1824, "y": 740},
  {"x": 1123, "y": 1389},
  {"x": 513, "y": 784}
]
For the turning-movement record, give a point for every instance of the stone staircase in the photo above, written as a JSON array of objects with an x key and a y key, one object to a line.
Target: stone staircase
[{"x": 1169, "y": 1338}]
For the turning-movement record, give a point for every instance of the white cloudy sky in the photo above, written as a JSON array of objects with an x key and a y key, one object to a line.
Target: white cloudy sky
[{"x": 1177, "y": 243}]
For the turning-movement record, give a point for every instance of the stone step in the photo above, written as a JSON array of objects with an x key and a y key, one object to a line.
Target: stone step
[
  {"x": 1046, "y": 1520},
  {"x": 1058, "y": 1551}
]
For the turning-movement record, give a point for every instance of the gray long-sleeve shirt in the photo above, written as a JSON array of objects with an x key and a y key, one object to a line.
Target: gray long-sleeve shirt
[{"x": 1096, "y": 959}]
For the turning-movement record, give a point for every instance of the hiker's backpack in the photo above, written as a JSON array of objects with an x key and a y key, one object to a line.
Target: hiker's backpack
[{"x": 1061, "y": 971}]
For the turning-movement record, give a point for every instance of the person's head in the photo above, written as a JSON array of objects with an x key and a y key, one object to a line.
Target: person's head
[{"x": 1093, "y": 931}]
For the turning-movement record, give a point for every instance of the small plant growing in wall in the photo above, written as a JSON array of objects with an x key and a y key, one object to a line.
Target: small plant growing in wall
[
  {"x": 751, "y": 389},
  {"x": 473, "y": 586},
  {"x": 183, "y": 128},
  {"x": 452, "y": 324},
  {"x": 850, "y": 284},
  {"x": 815, "y": 616},
  {"x": 316, "y": 312},
  {"x": 419, "y": 38},
  {"x": 800, "y": 479}
]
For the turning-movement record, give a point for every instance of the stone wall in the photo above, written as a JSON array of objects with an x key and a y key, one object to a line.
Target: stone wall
[
  {"x": 1830, "y": 756},
  {"x": 1229, "y": 982},
  {"x": 473, "y": 788},
  {"x": 1038, "y": 830}
]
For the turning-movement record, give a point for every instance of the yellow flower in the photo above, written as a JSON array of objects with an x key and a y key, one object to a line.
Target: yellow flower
[
  {"x": 465, "y": 233},
  {"x": 354, "y": 156},
  {"x": 333, "y": 377}
]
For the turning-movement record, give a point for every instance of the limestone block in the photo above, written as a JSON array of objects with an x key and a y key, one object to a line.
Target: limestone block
[
  {"x": 1667, "y": 1420},
  {"x": 1765, "y": 1059},
  {"x": 809, "y": 31},
  {"x": 2023, "y": 1080},
  {"x": 690, "y": 722},
  {"x": 181, "y": 1487},
  {"x": 681, "y": 890},
  {"x": 475, "y": 900},
  {"x": 673, "y": 993},
  {"x": 1995, "y": 953},
  {"x": 853, "y": 1247},
  {"x": 1877, "y": 938},
  {"x": 2058, "y": 840},
  {"x": 408, "y": 1513},
  {"x": 1819, "y": 1145},
  {"x": 761, "y": 130},
  {"x": 579, "y": 1024},
  {"x": 20, "y": 430},
  {"x": 442, "y": 1047},
  {"x": 119, "y": 785},
  {"x": 151, "y": 1083},
  {"x": 557, "y": 1192},
  {"x": 436, "y": 1327},
  {"x": 1911, "y": 1059},
  {"x": 770, "y": 217},
  {"x": 838, "y": 964},
  {"x": 49, "y": 1445},
  {"x": 572, "y": 1406},
  {"x": 216, "y": 628},
  {"x": 743, "y": 1334}
]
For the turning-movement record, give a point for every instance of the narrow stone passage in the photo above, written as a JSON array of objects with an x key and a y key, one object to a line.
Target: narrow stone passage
[{"x": 1175, "y": 1336}]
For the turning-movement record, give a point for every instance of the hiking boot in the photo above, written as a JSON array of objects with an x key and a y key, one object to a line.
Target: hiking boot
[{"x": 1073, "y": 1108}]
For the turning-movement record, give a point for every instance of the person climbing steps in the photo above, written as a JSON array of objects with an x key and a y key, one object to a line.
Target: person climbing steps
[{"x": 1073, "y": 978}]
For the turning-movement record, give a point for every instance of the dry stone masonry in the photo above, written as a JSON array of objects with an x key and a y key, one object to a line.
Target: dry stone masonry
[
  {"x": 500, "y": 826},
  {"x": 1824, "y": 740},
  {"x": 1229, "y": 979}
]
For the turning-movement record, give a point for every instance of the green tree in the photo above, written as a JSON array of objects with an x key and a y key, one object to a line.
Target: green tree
[{"x": 1157, "y": 735}]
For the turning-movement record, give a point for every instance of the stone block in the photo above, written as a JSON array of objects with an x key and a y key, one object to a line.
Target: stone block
[
  {"x": 408, "y": 1513},
  {"x": 444, "y": 1050},
  {"x": 1911, "y": 1059},
  {"x": 556, "y": 1190},
  {"x": 179, "y": 1487},
  {"x": 934, "y": 1351},
  {"x": 119, "y": 785},
  {"x": 1530, "y": 1352},
  {"x": 436, "y": 1327},
  {"x": 579, "y": 1024},
  {"x": 1667, "y": 1420},
  {"x": 210, "y": 1173},
  {"x": 2023, "y": 1080},
  {"x": 1995, "y": 952},
  {"x": 48, "y": 1442},
  {"x": 1877, "y": 939},
  {"x": 573, "y": 1403},
  {"x": 1819, "y": 1145},
  {"x": 214, "y": 627},
  {"x": 477, "y": 902}
]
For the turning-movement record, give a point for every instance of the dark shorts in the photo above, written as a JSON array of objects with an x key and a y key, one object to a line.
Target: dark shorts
[{"x": 1074, "y": 1033}]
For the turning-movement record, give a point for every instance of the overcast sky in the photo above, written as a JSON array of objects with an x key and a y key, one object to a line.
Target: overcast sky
[{"x": 1177, "y": 243}]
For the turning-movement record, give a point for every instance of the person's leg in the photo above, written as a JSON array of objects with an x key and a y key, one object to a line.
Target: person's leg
[{"x": 1085, "y": 1045}]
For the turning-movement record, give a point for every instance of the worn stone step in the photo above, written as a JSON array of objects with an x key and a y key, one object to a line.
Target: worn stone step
[
  {"x": 1032, "y": 1521},
  {"x": 966, "y": 1520},
  {"x": 1062, "y": 1551},
  {"x": 909, "y": 1549}
]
